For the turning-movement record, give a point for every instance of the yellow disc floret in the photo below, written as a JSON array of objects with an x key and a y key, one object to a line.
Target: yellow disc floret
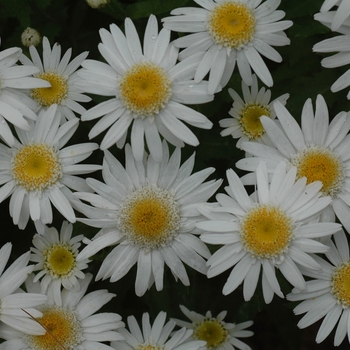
[
  {"x": 145, "y": 89},
  {"x": 341, "y": 284},
  {"x": 149, "y": 347},
  {"x": 63, "y": 330},
  {"x": 54, "y": 94},
  {"x": 318, "y": 163},
  {"x": 232, "y": 24},
  {"x": 250, "y": 120},
  {"x": 150, "y": 217},
  {"x": 266, "y": 231},
  {"x": 36, "y": 167},
  {"x": 212, "y": 331},
  {"x": 59, "y": 260}
]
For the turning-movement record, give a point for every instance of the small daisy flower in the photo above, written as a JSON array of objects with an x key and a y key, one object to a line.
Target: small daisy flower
[
  {"x": 340, "y": 15},
  {"x": 327, "y": 294},
  {"x": 148, "y": 89},
  {"x": 148, "y": 211},
  {"x": 230, "y": 31},
  {"x": 62, "y": 76},
  {"x": 70, "y": 323},
  {"x": 318, "y": 149},
  {"x": 12, "y": 300},
  {"x": 268, "y": 230},
  {"x": 157, "y": 336},
  {"x": 38, "y": 171},
  {"x": 218, "y": 334},
  {"x": 245, "y": 123},
  {"x": 15, "y": 106},
  {"x": 339, "y": 44},
  {"x": 56, "y": 258}
]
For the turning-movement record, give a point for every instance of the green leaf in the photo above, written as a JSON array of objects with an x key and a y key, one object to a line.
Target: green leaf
[
  {"x": 155, "y": 7},
  {"x": 18, "y": 9},
  {"x": 42, "y": 4}
]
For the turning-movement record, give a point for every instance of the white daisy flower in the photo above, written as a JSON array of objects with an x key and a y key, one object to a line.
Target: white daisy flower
[
  {"x": 148, "y": 210},
  {"x": 340, "y": 15},
  {"x": 56, "y": 258},
  {"x": 318, "y": 149},
  {"x": 245, "y": 123},
  {"x": 268, "y": 230},
  {"x": 65, "y": 90},
  {"x": 70, "y": 323},
  {"x": 38, "y": 171},
  {"x": 157, "y": 336},
  {"x": 15, "y": 106},
  {"x": 148, "y": 90},
  {"x": 339, "y": 44},
  {"x": 327, "y": 294},
  {"x": 13, "y": 301},
  {"x": 230, "y": 31},
  {"x": 218, "y": 334}
]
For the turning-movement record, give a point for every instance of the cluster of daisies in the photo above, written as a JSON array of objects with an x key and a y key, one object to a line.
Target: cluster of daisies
[{"x": 153, "y": 210}]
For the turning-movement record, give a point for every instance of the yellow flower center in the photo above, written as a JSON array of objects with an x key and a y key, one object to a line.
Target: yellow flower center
[
  {"x": 54, "y": 94},
  {"x": 211, "y": 331},
  {"x": 250, "y": 120},
  {"x": 36, "y": 167},
  {"x": 266, "y": 231},
  {"x": 63, "y": 330},
  {"x": 59, "y": 260},
  {"x": 150, "y": 217},
  {"x": 341, "y": 284},
  {"x": 145, "y": 89},
  {"x": 232, "y": 24},
  {"x": 149, "y": 347},
  {"x": 319, "y": 163}
]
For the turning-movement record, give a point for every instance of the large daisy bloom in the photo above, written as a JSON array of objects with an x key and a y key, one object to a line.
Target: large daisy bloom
[
  {"x": 15, "y": 106},
  {"x": 148, "y": 211},
  {"x": 156, "y": 336},
  {"x": 230, "y": 31},
  {"x": 70, "y": 323},
  {"x": 14, "y": 301},
  {"x": 340, "y": 15},
  {"x": 61, "y": 74},
  {"x": 37, "y": 171},
  {"x": 218, "y": 334},
  {"x": 319, "y": 150},
  {"x": 339, "y": 44},
  {"x": 55, "y": 255},
  {"x": 245, "y": 123},
  {"x": 148, "y": 89},
  {"x": 271, "y": 229},
  {"x": 327, "y": 294}
]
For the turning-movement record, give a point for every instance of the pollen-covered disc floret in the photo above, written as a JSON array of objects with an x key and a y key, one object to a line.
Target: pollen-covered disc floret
[
  {"x": 149, "y": 347},
  {"x": 145, "y": 89},
  {"x": 59, "y": 260},
  {"x": 54, "y": 94},
  {"x": 341, "y": 284},
  {"x": 266, "y": 231},
  {"x": 232, "y": 24},
  {"x": 250, "y": 120},
  {"x": 150, "y": 217},
  {"x": 36, "y": 167},
  {"x": 63, "y": 330},
  {"x": 212, "y": 331},
  {"x": 319, "y": 163}
]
